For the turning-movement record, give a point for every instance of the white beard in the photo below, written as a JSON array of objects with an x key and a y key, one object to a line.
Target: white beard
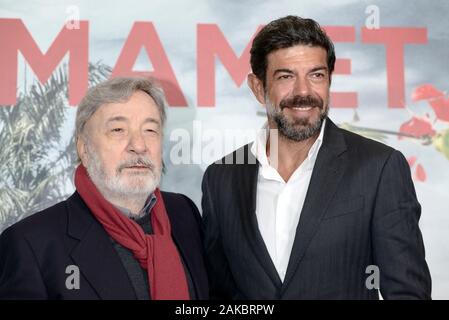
[{"x": 140, "y": 185}]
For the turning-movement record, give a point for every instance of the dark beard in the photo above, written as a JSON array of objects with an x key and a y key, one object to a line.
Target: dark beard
[
  {"x": 290, "y": 131},
  {"x": 300, "y": 129}
]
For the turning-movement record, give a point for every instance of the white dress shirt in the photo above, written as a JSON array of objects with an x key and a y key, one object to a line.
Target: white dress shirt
[{"x": 279, "y": 203}]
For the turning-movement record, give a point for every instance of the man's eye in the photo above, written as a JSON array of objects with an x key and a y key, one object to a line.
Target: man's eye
[
  {"x": 318, "y": 75},
  {"x": 117, "y": 130},
  {"x": 285, "y": 76}
]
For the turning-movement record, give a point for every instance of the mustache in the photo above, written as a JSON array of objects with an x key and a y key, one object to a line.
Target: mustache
[
  {"x": 301, "y": 101},
  {"x": 138, "y": 161}
]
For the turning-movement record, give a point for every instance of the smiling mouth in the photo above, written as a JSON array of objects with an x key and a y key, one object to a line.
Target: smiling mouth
[{"x": 302, "y": 108}]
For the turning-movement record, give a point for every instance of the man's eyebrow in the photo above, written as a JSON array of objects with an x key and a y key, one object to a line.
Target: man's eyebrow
[
  {"x": 122, "y": 118},
  {"x": 152, "y": 120},
  {"x": 319, "y": 68},
  {"x": 282, "y": 71},
  {"x": 117, "y": 118},
  {"x": 315, "y": 69}
]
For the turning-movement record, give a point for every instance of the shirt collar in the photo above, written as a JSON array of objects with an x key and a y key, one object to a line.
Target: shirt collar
[
  {"x": 259, "y": 147},
  {"x": 144, "y": 212}
]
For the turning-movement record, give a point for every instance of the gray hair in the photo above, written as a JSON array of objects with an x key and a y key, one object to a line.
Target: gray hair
[{"x": 117, "y": 90}]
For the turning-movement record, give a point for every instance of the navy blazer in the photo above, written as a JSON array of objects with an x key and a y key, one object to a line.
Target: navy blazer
[
  {"x": 360, "y": 210},
  {"x": 35, "y": 252}
]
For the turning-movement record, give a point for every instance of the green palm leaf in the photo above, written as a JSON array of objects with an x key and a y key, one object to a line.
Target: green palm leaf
[{"x": 36, "y": 167}]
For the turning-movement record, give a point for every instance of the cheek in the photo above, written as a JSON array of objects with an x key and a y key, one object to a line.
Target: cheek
[
  {"x": 325, "y": 96},
  {"x": 279, "y": 93},
  {"x": 323, "y": 91},
  {"x": 110, "y": 158},
  {"x": 155, "y": 150}
]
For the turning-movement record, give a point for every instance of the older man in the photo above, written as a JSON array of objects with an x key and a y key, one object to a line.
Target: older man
[
  {"x": 118, "y": 236},
  {"x": 319, "y": 213}
]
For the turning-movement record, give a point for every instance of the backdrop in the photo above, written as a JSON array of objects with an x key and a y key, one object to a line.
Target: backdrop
[{"x": 389, "y": 84}]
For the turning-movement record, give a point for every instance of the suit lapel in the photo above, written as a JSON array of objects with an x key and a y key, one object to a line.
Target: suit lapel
[
  {"x": 247, "y": 185},
  {"x": 180, "y": 242},
  {"x": 326, "y": 176},
  {"x": 186, "y": 247},
  {"x": 95, "y": 255}
]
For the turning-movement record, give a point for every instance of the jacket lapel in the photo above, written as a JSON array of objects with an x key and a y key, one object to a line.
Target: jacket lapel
[
  {"x": 247, "y": 185},
  {"x": 326, "y": 176},
  {"x": 95, "y": 255},
  {"x": 188, "y": 249}
]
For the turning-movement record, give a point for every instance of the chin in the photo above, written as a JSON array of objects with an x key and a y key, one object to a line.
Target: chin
[
  {"x": 303, "y": 122},
  {"x": 147, "y": 184}
]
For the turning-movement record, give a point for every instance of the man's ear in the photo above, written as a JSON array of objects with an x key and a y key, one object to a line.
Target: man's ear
[
  {"x": 257, "y": 87},
  {"x": 81, "y": 149}
]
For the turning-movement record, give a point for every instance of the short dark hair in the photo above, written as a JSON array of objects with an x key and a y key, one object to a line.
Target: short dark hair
[{"x": 284, "y": 33}]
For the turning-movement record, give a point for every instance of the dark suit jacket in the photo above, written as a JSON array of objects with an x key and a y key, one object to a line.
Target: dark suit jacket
[
  {"x": 360, "y": 210},
  {"x": 35, "y": 252}
]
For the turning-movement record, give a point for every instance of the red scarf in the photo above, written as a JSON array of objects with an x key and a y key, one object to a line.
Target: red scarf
[{"x": 156, "y": 252}]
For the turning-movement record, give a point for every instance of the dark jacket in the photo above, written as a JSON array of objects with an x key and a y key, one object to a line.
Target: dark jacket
[
  {"x": 35, "y": 253},
  {"x": 360, "y": 210}
]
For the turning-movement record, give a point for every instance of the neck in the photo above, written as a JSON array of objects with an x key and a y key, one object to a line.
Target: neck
[{"x": 291, "y": 154}]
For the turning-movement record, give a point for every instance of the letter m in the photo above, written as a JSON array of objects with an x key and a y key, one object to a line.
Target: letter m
[
  {"x": 211, "y": 43},
  {"x": 15, "y": 37}
]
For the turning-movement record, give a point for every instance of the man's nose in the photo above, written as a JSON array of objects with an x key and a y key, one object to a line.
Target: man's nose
[
  {"x": 302, "y": 87},
  {"x": 137, "y": 143}
]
